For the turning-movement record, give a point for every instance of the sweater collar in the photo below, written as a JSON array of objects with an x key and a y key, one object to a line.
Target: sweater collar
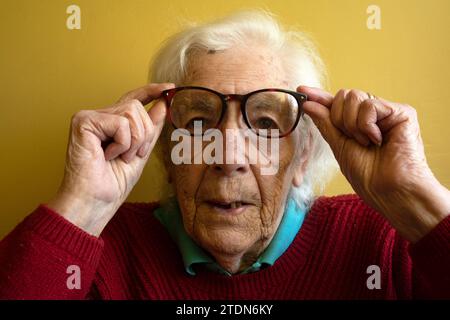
[{"x": 170, "y": 217}]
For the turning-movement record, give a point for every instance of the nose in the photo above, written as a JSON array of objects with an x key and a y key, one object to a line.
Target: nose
[
  {"x": 231, "y": 170},
  {"x": 235, "y": 160}
]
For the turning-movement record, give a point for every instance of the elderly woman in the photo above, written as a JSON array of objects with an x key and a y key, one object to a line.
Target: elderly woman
[{"x": 231, "y": 231}]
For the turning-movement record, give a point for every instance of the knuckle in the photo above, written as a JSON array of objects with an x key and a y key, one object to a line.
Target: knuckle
[
  {"x": 80, "y": 117},
  {"x": 133, "y": 108},
  {"x": 128, "y": 113},
  {"x": 135, "y": 139},
  {"x": 407, "y": 112},
  {"x": 126, "y": 97},
  {"x": 366, "y": 106},
  {"x": 123, "y": 122},
  {"x": 411, "y": 111},
  {"x": 353, "y": 95},
  {"x": 137, "y": 135},
  {"x": 80, "y": 114},
  {"x": 135, "y": 104},
  {"x": 341, "y": 92}
]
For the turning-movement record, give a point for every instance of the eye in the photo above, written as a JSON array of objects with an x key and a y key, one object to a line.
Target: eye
[
  {"x": 199, "y": 120},
  {"x": 265, "y": 123}
]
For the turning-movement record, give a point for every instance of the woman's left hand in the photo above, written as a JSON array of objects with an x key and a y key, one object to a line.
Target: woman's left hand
[{"x": 379, "y": 149}]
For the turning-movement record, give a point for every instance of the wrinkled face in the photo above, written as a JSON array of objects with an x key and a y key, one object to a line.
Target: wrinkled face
[{"x": 233, "y": 209}]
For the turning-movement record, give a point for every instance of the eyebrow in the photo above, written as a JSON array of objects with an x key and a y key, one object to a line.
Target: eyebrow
[
  {"x": 267, "y": 105},
  {"x": 200, "y": 105}
]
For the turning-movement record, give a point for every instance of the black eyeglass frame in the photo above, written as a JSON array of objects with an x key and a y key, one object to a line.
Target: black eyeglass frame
[{"x": 242, "y": 98}]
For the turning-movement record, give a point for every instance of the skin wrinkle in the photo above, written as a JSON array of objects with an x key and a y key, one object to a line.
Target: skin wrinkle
[
  {"x": 194, "y": 209},
  {"x": 235, "y": 242},
  {"x": 266, "y": 233},
  {"x": 195, "y": 212}
]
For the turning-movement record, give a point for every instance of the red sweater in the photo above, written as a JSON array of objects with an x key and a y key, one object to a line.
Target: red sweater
[{"x": 135, "y": 258}]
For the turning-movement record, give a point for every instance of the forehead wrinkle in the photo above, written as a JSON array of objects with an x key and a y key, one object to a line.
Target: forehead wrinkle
[{"x": 235, "y": 71}]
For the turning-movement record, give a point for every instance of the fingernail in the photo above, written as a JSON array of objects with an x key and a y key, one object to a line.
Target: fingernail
[
  {"x": 376, "y": 142},
  {"x": 144, "y": 150},
  {"x": 375, "y": 138},
  {"x": 126, "y": 159}
]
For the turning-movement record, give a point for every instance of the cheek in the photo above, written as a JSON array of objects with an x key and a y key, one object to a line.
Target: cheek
[
  {"x": 274, "y": 188},
  {"x": 187, "y": 179},
  {"x": 273, "y": 191}
]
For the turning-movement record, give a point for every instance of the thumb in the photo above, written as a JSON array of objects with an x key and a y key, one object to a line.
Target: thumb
[
  {"x": 318, "y": 108},
  {"x": 320, "y": 115},
  {"x": 157, "y": 113}
]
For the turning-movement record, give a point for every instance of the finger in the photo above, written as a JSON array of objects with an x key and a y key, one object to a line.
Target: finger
[
  {"x": 352, "y": 102},
  {"x": 337, "y": 111},
  {"x": 321, "y": 118},
  {"x": 111, "y": 126},
  {"x": 154, "y": 128},
  {"x": 399, "y": 113},
  {"x": 317, "y": 95},
  {"x": 147, "y": 93},
  {"x": 158, "y": 114},
  {"x": 371, "y": 111},
  {"x": 149, "y": 129},
  {"x": 131, "y": 111}
]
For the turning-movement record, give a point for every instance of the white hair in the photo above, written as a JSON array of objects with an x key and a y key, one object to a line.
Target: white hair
[{"x": 300, "y": 60}]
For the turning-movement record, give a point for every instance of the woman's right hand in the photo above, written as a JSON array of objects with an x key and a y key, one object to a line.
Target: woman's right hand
[{"x": 107, "y": 151}]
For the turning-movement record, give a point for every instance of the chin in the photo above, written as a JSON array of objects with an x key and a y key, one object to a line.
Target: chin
[{"x": 223, "y": 241}]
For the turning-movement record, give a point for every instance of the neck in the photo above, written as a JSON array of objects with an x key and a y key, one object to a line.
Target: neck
[{"x": 236, "y": 263}]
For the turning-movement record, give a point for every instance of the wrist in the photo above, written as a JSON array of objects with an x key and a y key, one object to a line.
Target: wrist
[
  {"x": 421, "y": 208},
  {"x": 88, "y": 214},
  {"x": 433, "y": 204}
]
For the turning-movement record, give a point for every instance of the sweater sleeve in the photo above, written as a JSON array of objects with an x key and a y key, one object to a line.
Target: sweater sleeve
[
  {"x": 47, "y": 257},
  {"x": 430, "y": 258}
]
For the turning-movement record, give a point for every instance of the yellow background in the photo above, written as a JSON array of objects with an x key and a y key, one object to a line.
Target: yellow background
[{"x": 48, "y": 72}]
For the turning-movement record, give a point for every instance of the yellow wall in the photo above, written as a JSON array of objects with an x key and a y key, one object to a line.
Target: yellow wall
[{"x": 48, "y": 72}]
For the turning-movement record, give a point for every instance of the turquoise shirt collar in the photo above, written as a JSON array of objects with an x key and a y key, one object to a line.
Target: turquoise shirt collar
[{"x": 170, "y": 217}]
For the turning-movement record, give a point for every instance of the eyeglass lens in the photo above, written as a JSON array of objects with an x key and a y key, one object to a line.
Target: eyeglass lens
[{"x": 263, "y": 110}]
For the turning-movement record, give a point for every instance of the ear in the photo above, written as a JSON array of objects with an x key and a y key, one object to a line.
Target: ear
[{"x": 302, "y": 163}]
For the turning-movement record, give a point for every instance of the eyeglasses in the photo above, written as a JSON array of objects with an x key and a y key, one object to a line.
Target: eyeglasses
[{"x": 262, "y": 110}]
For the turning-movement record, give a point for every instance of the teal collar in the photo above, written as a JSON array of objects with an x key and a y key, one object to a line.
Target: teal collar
[{"x": 170, "y": 217}]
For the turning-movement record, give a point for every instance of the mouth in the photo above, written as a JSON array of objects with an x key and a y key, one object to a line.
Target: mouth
[{"x": 229, "y": 207}]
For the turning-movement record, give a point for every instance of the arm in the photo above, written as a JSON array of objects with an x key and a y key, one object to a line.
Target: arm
[
  {"x": 37, "y": 255},
  {"x": 430, "y": 254},
  {"x": 430, "y": 258},
  {"x": 107, "y": 151},
  {"x": 378, "y": 146}
]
